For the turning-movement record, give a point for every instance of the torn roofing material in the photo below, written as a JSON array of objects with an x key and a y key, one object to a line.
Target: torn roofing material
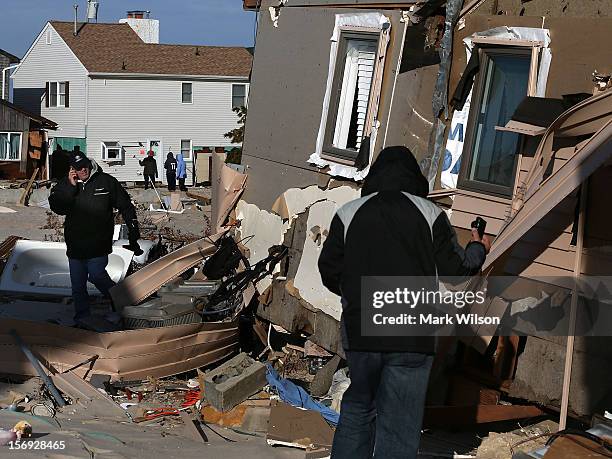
[
  {"x": 135, "y": 288},
  {"x": 129, "y": 354},
  {"x": 534, "y": 114},
  {"x": 549, "y": 192},
  {"x": 583, "y": 118}
]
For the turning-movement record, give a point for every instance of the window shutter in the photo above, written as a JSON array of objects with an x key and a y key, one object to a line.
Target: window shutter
[
  {"x": 365, "y": 72},
  {"x": 47, "y": 95},
  {"x": 67, "y": 94}
]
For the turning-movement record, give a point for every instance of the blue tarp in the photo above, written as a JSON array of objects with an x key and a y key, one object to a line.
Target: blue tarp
[{"x": 296, "y": 396}]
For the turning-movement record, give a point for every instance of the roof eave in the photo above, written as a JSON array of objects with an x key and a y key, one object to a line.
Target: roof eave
[{"x": 164, "y": 76}]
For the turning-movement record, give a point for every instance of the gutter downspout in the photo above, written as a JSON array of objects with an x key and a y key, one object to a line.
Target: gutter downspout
[{"x": 4, "y": 70}]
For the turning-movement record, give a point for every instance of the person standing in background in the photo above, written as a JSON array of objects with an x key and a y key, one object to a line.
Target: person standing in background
[
  {"x": 150, "y": 169},
  {"x": 181, "y": 171},
  {"x": 170, "y": 166}
]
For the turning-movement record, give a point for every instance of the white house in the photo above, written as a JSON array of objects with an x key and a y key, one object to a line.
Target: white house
[{"x": 117, "y": 96}]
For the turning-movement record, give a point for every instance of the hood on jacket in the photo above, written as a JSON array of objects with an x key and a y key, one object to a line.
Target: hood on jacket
[
  {"x": 179, "y": 157},
  {"x": 170, "y": 155},
  {"x": 395, "y": 169},
  {"x": 95, "y": 168}
]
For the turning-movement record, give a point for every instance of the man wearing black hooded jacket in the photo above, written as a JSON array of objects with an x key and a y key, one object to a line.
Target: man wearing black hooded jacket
[{"x": 392, "y": 230}]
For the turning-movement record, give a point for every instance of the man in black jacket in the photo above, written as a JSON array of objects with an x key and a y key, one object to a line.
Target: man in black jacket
[
  {"x": 150, "y": 169},
  {"x": 170, "y": 166},
  {"x": 87, "y": 198},
  {"x": 392, "y": 230}
]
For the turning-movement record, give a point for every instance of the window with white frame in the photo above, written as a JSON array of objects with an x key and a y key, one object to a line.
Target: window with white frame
[
  {"x": 351, "y": 94},
  {"x": 186, "y": 93},
  {"x": 186, "y": 148},
  {"x": 238, "y": 95},
  {"x": 112, "y": 151},
  {"x": 58, "y": 94},
  {"x": 10, "y": 146},
  {"x": 48, "y": 36},
  {"x": 490, "y": 155}
]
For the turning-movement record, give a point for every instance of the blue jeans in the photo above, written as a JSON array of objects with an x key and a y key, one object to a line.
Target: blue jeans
[
  {"x": 382, "y": 410},
  {"x": 94, "y": 270}
]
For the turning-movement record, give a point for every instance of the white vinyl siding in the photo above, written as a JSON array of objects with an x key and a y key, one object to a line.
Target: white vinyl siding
[
  {"x": 133, "y": 112},
  {"x": 52, "y": 62},
  {"x": 10, "y": 146}
]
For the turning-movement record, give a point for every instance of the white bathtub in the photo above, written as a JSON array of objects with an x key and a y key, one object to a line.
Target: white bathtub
[{"x": 42, "y": 268}]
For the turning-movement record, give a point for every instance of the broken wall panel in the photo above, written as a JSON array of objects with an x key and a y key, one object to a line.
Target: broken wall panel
[
  {"x": 308, "y": 280},
  {"x": 129, "y": 354},
  {"x": 321, "y": 206},
  {"x": 281, "y": 136},
  {"x": 259, "y": 230}
]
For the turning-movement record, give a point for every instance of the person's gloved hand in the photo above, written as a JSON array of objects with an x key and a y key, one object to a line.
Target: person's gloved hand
[
  {"x": 134, "y": 247},
  {"x": 133, "y": 236}
]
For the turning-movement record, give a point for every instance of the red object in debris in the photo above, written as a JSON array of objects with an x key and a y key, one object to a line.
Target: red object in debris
[
  {"x": 191, "y": 398},
  {"x": 159, "y": 412}
]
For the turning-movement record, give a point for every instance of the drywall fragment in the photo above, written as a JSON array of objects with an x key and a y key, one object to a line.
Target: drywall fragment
[
  {"x": 259, "y": 230},
  {"x": 294, "y": 201},
  {"x": 307, "y": 279}
]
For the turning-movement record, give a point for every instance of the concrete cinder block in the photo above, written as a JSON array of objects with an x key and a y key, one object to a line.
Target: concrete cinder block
[{"x": 233, "y": 382}]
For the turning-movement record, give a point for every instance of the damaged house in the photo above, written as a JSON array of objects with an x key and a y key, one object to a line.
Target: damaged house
[
  {"x": 23, "y": 143},
  {"x": 509, "y": 117}
]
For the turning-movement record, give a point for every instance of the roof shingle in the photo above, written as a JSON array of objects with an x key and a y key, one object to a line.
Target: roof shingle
[{"x": 116, "y": 48}]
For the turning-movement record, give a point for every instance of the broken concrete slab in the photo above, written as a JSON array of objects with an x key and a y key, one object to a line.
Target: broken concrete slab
[{"x": 233, "y": 382}]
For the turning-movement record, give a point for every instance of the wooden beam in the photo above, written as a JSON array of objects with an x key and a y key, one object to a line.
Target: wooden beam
[
  {"x": 25, "y": 196},
  {"x": 458, "y": 416},
  {"x": 569, "y": 349}
]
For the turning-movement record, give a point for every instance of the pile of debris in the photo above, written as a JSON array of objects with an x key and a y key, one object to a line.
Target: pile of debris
[
  {"x": 167, "y": 354},
  {"x": 230, "y": 332}
]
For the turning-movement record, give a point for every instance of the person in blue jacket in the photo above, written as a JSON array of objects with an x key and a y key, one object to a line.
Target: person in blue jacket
[{"x": 181, "y": 171}]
